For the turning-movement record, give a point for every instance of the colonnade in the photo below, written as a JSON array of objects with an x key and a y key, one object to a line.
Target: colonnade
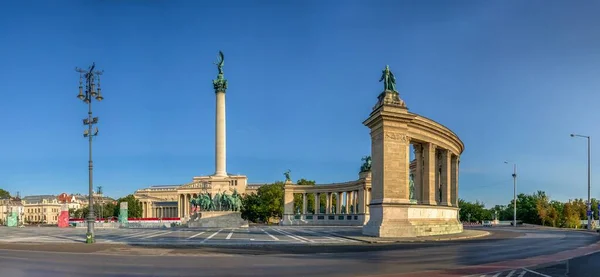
[
  {"x": 151, "y": 210},
  {"x": 435, "y": 176},
  {"x": 353, "y": 202}
]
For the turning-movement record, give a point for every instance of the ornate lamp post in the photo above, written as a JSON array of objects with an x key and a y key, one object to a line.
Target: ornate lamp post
[
  {"x": 514, "y": 175},
  {"x": 589, "y": 175},
  {"x": 91, "y": 78}
]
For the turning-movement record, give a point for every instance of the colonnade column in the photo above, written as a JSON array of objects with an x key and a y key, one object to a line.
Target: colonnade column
[
  {"x": 338, "y": 208},
  {"x": 361, "y": 201},
  {"x": 418, "y": 176},
  {"x": 304, "y": 202},
  {"x": 429, "y": 185},
  {"x": 446, "y": 177},
  {"x": 454, "y": 183},
  {"x": 316, "y": 204}
]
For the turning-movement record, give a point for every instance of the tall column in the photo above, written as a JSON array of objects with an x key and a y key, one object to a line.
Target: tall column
[
  {"x": 454, "y": 183},
  {"x": 316, "y": 204},
  {"x": 220, "y": 139},
  {"x": 418, "y": 176},
  {"x": 220, "y": 85},
  {"x": 429, "y": 174}
]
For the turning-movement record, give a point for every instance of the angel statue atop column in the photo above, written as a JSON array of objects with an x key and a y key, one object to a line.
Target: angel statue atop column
[{"x": 389, "y": 81}]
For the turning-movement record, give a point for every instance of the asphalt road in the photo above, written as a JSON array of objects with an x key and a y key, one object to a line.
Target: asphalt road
[{"x": 291, "y": 259}]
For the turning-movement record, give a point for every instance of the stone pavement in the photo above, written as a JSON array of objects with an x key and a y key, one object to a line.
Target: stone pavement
[{"x": 182, "y": 236}]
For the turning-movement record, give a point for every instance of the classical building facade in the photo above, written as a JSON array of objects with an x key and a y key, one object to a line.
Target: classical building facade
[
  {"x": 43, "y": 209},
  {"x": 173, "y": 201},
  {"x": 8, "y": 206}
]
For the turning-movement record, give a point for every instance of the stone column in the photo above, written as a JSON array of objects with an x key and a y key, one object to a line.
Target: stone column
[
  {"x": 327, "y": 202},
  {"x": 429, "y": 173},
  {"x": 368, "y": 201},
  {"x": 304, "y": 202},
  {"x": 220, "y": 139},
  {"x": 446, "y": 177},
  {"x": 454, "y": 183},
  {"x": 361, "y": 201},
  {"x": 288, "y": 206},
  {"x": 338, "y": 208},
  {"x": 418, "y": 176},
  {"x": 316, "y": 204}
]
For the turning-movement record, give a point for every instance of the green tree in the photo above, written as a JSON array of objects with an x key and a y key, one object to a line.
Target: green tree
[
  {"x": 571, "y": 215},
  {"x": 4, "y": 194},
  {"x": 134, "y": 206},
  {"x": 251, "y": 208},
  {"x": 542, "y": 207},
  {"x": 271, "y": 199},
  {"x": 476, "y": 211}
]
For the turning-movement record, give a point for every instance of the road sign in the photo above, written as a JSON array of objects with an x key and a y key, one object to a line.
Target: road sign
[{"x": 589, "y": 213}]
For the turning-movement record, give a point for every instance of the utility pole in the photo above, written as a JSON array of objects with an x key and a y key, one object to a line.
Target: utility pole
[{"x": 91, "y": 78}]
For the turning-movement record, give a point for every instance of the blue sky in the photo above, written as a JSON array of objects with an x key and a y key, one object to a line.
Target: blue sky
[{"x": 512, "y": 78}]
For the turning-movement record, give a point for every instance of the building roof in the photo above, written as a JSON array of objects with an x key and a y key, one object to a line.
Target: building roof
[{"x": 38, "y": 198}]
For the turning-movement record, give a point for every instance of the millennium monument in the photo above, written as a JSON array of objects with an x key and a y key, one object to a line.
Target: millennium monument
[{"x": 218, "y": 203}]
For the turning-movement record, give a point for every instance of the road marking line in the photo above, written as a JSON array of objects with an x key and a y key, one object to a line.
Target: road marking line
[
  {"x": 535, "y": 272},
  {"x": 156, "y": 235},
  {"x": 301, "y": 237},
  {"x": 273, "y": 237},
  {"x": 510, "y": 273},
  {"x": 136, "y": 235},
  {"x": 522, "y": 273},
  {"x": 211, "y": 236},
  {"x": 230, "y": 234},
  {"x": 196, "y": 235},
  {"x": 298, "y": 238},
  {"x": 497, "y": 274}
]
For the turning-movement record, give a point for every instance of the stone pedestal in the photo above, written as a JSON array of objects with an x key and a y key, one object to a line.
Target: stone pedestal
[
  {"x": 217, "y": 220},
  {"x": 405, "y": 220}
]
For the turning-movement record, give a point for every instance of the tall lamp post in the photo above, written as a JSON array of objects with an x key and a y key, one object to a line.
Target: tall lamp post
[
  {"x": 91, "y": 77},
  {"x": 589, "y": 201},
  {"x": 514, "y": 175}
]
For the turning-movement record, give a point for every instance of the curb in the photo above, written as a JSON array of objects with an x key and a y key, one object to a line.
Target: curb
[{"x": 482, "y": 234}]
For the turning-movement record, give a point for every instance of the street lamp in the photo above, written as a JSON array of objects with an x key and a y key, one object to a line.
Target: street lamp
[
  {"x": 514, "y": 175},
  {"x": 589, "y": 201},
  {"x": 91, "y": 78}
]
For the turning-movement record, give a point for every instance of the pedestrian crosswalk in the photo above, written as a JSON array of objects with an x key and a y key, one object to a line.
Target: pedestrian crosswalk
[
  {"x": 177, "y": 236},
  {"x": 522, "y": 272}
]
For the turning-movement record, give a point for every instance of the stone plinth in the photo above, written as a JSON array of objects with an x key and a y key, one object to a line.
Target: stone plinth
[
  {"x": 405, "y": 220},
  {"x": 217, "y": 220}
]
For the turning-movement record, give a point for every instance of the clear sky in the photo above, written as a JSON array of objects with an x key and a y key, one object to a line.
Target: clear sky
[{"x": 512, "y": 78}]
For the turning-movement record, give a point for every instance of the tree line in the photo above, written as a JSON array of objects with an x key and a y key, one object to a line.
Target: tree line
[
  {"x": 536, "y": 208},
  {"x": 110, "y": 209}
]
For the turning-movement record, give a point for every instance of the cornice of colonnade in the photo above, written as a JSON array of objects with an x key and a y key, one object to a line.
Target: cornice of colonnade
[
  {"x": 424, "y": 129},
  {"x": 333, "y": 187},
  {"x": 396, "y": 121}
]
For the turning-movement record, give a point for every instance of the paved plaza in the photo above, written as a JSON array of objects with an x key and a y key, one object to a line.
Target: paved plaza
[{"x": 185, "y": 236}]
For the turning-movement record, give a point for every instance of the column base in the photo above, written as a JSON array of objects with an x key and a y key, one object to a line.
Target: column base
[{"x": 400, "y": 220}]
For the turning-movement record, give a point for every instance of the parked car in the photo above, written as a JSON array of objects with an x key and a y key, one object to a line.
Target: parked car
[{"x": 487, "y": 223}]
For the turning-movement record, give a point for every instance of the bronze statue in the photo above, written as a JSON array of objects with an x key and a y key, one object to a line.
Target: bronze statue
[
  {"x": 366, "y": 166},
  {"x": 220, "y": 84},
  {"x": 220, "y": 62},
  {"x": 287, "y": 175},
  {"x": 389, "y": 81}
]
